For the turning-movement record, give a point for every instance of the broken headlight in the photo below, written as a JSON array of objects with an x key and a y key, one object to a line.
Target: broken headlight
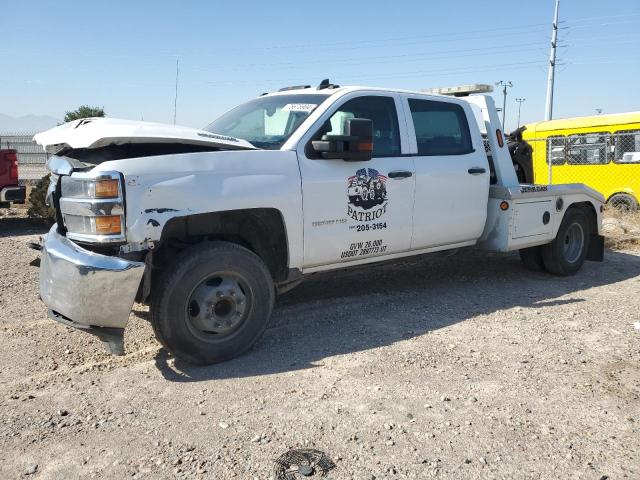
[{"x": 92, "y": 207}]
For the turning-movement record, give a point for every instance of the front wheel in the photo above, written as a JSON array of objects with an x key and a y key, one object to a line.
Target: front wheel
[
  {"x": 212, "y": 303},
  {"x": 566, "y": 254}
]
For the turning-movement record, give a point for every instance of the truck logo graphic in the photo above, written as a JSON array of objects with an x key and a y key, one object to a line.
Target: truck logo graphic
[{"x": 367, "y": 190}]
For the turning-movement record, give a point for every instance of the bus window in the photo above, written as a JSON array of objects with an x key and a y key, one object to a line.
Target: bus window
[
  {"x": 587, "y": 149},
  {"x": 627, "y": 146},
  {"x": 555, "y": 150}
]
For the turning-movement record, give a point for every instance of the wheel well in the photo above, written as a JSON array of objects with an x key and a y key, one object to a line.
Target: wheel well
[
  {"x": 590, "y": 210},
  {"x": 261, "y": 230},
  {"x": 622, "y": 193}
]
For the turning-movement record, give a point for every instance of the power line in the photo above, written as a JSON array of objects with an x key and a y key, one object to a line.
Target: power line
[
  {"x": 379, "y": 59},
  {"x": 583, "y": 19}
]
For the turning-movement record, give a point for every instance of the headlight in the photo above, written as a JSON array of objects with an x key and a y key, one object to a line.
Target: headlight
[
  {"x": 92, "y": 207},
  {"x": 80, "y": 188}
]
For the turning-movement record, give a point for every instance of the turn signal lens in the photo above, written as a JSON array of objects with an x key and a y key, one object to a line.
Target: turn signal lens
[
  {"x": 500, "y": 138},
  {"x": 504, "y": 205},
  {"x": 107, "y": 189},
  {"x": 108, "y": 225}
]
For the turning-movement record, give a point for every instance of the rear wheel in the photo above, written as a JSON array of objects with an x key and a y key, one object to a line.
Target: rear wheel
[
  {"x": 532, "y": 258},
  {"x": 212, "y": 303},
  {"x": 566, "y": 254}
]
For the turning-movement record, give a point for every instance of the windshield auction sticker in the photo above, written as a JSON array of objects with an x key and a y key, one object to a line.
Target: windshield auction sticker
[{"x": 299, "y": 107}]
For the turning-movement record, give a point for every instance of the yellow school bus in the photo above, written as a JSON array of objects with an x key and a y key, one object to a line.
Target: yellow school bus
[{"x": 601, "y": 151}]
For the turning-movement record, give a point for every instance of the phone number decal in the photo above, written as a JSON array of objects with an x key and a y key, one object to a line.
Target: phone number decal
[{"x": 369, "y": 227}]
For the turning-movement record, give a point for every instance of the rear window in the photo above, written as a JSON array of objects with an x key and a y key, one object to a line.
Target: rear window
[{"x": 441, "y": 128}]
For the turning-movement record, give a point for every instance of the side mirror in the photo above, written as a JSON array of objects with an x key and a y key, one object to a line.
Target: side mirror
[{"x": 356, "y": 145}]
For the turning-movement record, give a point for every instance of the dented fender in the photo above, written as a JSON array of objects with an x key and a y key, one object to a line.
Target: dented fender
[{"x": 160, "y": 188}]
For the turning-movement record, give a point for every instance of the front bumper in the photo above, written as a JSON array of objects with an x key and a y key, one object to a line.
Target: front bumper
[
  {"x": 85, "y": 288},
  {"x": 13, "y": 194}
]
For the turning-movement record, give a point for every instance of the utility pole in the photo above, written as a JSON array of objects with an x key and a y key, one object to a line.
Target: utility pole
[
  {"x": 548, "y": 113},
  {"x": 175, "y": 99},
  {"x": 506, "y": 85},
  {"x": 520, "y": 102}
]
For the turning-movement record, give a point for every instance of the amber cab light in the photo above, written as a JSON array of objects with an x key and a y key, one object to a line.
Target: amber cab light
[
  {"x": 504, "y": 205},
  {"x": 107, "y": 189}
]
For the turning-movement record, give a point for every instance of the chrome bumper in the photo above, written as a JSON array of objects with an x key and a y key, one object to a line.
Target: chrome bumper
[{"x": 87, "y": 288}]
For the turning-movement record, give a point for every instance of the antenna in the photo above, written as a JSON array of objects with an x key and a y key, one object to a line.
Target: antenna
[
  {"x": 548, "y": 114},
  {"x": 175, "y": 100}
]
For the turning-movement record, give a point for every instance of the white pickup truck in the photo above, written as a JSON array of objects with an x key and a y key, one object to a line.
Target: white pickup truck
[{"x": 208, "y": 226}]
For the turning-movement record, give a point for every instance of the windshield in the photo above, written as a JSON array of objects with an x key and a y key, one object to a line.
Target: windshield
[{"x": 267, "y": 122}]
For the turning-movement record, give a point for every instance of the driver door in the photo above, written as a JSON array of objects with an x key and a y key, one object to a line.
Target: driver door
[{"x": 354, "y": 210}]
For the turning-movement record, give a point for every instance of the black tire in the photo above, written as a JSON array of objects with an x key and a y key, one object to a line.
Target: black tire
[
  {"x": 566, "y": 254},
  {"x": 532, "y": 258},
  {"x": 623, "y": 202},
  {"x": 200, "y": 267}
]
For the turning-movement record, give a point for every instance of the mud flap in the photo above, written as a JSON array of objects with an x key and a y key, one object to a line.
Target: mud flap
[{"x": 595, "y": 253}]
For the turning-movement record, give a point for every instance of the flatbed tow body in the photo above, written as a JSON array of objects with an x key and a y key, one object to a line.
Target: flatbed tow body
[{"x": 530, "y": 215}]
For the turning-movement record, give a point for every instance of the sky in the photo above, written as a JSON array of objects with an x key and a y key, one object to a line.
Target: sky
[{"x": 122, "y": 55}]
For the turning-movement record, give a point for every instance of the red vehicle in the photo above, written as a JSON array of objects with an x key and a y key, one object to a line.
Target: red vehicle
[{"x": 10, "y": 191}]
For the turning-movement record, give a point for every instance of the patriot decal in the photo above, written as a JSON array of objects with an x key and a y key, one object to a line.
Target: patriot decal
[{"x": 367, "y": 194}]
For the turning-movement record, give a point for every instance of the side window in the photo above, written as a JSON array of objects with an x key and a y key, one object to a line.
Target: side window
[
  {"x": 382, "y": 112},
  {"x": 627, "y": 146},
  {"x": 588, "y": 149},
  {"x": 441, "y": 128},
  {"x": 555, "y": 150}
]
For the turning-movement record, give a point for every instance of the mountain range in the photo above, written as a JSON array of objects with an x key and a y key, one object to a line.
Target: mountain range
[{"x": 26, "y": 123}]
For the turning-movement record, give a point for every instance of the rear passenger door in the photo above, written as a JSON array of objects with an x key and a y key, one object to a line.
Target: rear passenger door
[{"x": 452, "y": 173}]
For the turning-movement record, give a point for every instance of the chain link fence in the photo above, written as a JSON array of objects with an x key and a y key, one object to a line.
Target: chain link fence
[
  {"x": 608, "y": 163},
  {"x": 31, "y": 156}
]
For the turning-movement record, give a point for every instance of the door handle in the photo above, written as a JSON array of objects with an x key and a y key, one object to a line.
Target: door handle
[
  {"x": 476, "y": 170},
  {"x": 400, "y": 174}
]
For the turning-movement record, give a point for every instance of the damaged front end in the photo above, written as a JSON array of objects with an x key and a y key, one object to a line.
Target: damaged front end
[
  {"x": 86, "y": 290},
  {"x": 93, "y": 263},
  {"x": 82, "y": 282}
]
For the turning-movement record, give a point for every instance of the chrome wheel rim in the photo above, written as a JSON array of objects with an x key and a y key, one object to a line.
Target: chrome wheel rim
[
  {"x": 573, "y": 243},
  {"x": 217, "y": 306}
]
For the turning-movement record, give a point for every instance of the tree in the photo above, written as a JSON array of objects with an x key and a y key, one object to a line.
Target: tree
[
  {"x": 37, "y": 206},
  {"x": 85, "y": 111}
]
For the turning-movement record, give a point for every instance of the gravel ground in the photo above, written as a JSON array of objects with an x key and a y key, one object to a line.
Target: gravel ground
[{"x": 451, "y": 367}]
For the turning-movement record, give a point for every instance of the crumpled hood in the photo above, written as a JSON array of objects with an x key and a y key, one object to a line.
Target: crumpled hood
[{"x": 100, "y": 132}]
